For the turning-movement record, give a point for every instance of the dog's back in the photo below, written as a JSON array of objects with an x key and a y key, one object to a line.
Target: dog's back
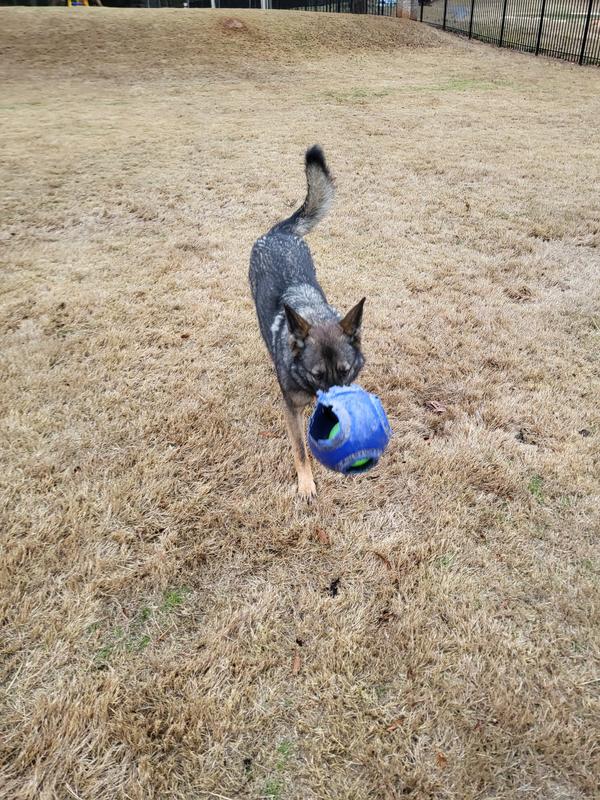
[{"x": 281, "y": 266}]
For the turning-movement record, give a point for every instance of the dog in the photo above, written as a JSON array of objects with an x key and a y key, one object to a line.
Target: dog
[{"x": 312, "y": 346}]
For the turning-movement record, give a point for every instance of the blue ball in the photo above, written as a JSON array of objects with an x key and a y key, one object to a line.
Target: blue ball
[{"x": 348, "y": 430}]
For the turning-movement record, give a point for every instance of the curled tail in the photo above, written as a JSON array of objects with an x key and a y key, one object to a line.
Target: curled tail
[{"x": 318, "y": 197}]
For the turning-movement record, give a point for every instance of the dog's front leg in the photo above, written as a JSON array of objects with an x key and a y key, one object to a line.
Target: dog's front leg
[{"x": 293, "y": 417}]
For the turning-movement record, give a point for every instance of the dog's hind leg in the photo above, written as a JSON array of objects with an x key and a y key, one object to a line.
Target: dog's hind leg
[{"x": 293, "y": 417}]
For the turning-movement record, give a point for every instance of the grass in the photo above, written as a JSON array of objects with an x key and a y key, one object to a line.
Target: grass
[
  {"x": 535, "y": 487},
  {"x": 362, "y": 96},
  {"x": 273, "y": 788},
  {"x": 140, "y": 629},
  {"x": 175, "y": 624},
  {"x": 173, "y": 599}
]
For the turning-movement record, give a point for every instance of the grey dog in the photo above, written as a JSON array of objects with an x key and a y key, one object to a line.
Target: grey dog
[{"x": 311, "y": 345}]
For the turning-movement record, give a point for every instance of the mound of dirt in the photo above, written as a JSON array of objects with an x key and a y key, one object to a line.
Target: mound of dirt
[{"x": 104, "y": 41}]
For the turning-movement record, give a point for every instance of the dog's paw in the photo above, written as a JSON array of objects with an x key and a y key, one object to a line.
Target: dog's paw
[{"x": 306, "y": 489}]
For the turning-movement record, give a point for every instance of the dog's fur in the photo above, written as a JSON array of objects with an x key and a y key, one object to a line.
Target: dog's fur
[{"x": 311, "y": 345}]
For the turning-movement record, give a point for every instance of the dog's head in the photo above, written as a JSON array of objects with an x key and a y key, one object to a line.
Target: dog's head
[{"x": 327, "y": 354}]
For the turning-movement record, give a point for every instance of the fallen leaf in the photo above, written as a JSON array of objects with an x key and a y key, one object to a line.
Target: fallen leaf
[
  {"x": 296, "y": 663},
  {"x": 397, "y": 723},
  {"x": 185, "y": 335},
  {"x": 435, "y": 406},
  {"x": 323, "y": 536},
  {"x": 441, "y": 760},
  {"x": 384, "y": 559}
]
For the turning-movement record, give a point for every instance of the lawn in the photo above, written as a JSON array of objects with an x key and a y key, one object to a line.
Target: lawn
[{"x": 177, "y": 625}]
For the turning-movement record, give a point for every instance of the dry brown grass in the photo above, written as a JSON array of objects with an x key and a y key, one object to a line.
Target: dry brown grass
[{"x": 170, "y": 627}]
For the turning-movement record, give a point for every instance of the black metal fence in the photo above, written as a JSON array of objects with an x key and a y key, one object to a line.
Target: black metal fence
[
  {"x": 568, "y": 29},
  {"x": 384, "y": 8}
]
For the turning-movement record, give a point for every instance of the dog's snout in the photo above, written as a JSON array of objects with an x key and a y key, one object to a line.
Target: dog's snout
[{"x": 325, "y": 387}]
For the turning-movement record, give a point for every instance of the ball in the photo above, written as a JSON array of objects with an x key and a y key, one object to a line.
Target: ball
[{"x": 348, "y": 430}]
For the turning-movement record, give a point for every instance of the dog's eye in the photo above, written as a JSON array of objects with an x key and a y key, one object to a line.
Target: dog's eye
[
  {"x": 343, "y": 368},
  {"x": 317, "y": 372}
]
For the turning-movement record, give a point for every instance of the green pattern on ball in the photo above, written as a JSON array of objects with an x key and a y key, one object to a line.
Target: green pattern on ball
[{"x": 360, "y": 462}]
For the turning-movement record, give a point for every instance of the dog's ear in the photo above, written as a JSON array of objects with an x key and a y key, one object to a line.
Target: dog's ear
[
  {"x": 353, "y": 320},
  {"x": 298, "y": 327}
]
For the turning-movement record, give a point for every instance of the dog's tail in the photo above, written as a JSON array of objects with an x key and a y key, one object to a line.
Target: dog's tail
[{"x": 318, "y": 197}]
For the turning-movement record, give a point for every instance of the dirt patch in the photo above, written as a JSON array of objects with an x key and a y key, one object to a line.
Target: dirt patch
[{"x": 232, "y": 24}]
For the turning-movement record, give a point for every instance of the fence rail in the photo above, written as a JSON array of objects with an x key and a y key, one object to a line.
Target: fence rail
[
  {"x": 384, "y": 8},
  {"x": 567, "y": 29}
]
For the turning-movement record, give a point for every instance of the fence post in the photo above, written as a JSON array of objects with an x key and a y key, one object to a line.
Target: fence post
[
  {"x": 421, "y": 12},
  {"x": 503, "y": 21},
  {"x": 471, "y": 20},
  {"x": 585, "y": 32},
  {"x": 445, "y": 9},
  {"x": 539, "y": 36}
]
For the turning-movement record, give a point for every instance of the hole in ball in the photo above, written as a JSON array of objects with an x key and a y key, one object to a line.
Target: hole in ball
[
  {"x": 360, "y": 465},
  {"x": 323, "y": 424}
]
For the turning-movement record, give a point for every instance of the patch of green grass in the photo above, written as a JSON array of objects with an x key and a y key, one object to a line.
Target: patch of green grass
[
  {"x": 103, "y": 655},
  {"x": 456, "y": 85},
  {"x": 119, "y": 641},
  {"x": 173, "y": 598},
  {"x": 143, "y": 643},
  {"x": 445, "y": 561},
  {"x": 136, "y": 638},
  {"x": 360, "y": 93},
  {"x": 357, "y": 93},
  {"x": 535, "y": 488},
  {"x": 93, "y": 627},
  {"x": 274, "y": 785},
  {"x": 14, "y": 106},
  {"x": 272, "y": 788},
  {"x": 107, "y": 651},
  {"x": 284, "y": 750}
]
